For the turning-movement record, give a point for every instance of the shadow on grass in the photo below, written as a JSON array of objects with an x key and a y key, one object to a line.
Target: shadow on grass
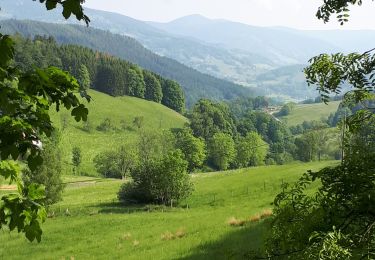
[
  {"x": 120, "y": 208},
  {"x": 242, "y": 243}
]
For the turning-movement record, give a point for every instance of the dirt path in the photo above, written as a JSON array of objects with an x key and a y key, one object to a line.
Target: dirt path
[{"x": 8, "y": 187}]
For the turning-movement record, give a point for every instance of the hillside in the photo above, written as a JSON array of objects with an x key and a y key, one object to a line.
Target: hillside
[
  {"x": 98, "y": 226},
  {"x": 155, "y": 116},
  {"x": 310, "y": 112},
  {"x": 196, "y": 85}
]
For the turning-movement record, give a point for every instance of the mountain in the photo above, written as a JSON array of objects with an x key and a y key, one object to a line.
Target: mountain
[
  {"x": 240, "y": 67},
  {"x": 236, "y": 52},
  {"x": 196, "y": 85},
  {"x": 281, "y": 46}
]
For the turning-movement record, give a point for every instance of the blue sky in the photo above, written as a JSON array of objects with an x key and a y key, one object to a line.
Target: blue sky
[{"x": 292, "y": 13}]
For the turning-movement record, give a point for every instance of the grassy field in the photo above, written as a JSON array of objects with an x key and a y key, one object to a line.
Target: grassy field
[
  {"x": 90, "y": 224},
  {"x": 116, "y": 109},
  {"x": 310, "y": 112}
]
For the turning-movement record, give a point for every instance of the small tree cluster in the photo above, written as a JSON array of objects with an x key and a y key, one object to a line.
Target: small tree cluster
[{"x": 116, "y": 164}]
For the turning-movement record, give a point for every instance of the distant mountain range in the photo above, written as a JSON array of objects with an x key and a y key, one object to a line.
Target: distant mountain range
[
  {"x": 233, "y": 51},
  {"x": 196, "y": 85}
]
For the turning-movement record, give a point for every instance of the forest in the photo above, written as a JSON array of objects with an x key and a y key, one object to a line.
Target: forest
[{"x": 99, "y": 71}]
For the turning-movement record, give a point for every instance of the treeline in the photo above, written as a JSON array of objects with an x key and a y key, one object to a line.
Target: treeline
[
  {"x": 99, "y": 71},
  {"x": 196, "y": 85}
]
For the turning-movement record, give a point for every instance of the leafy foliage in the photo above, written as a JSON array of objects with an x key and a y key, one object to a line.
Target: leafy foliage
[
  {"x": 337, "y": 222},
  {"x": 251, "y": 150},
  {"x": 49, "y": 173},
  {"x": 339, "y": 7},
  {"x": 116, "y": 164},
  {"x": 222, "y": 150},
  {"x": 209, "y": 118},
  {"x": 193, "y": 148},
  {"x": 70, "y": 7},
  {"x": 25, "y": 100},
  {"x": 165, "y": 181}
]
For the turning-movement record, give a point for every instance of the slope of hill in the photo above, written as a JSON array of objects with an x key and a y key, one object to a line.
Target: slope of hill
[
  {"x": 195, "y": 84},
  {"x": 310, "y": 112},
  {"x": 121, "y": 111},
  {"x": 98, "y": 227}
]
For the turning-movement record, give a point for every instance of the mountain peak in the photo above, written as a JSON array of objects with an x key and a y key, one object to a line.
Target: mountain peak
[{"x": 193, "y": 18}]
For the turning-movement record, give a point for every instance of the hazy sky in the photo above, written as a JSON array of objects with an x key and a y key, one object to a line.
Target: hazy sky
[{"x": 291, "y": 13}]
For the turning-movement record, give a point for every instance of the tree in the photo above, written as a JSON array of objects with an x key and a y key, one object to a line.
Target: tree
[
  {"x": 173, "y": 96},
  {"x": 84, "y": 77},
  {"x": 153, "y": 87},
  {"x": 286, "y": 109},
  {"x": 222, "y": 151},
  {"x": 164, "y": 181},
  {"x": 25, "y": 99},
  {"x": 49, "y": 173},
  {"x": 193, "y": 148},
  {"x": 76, "y": 159},
  {"x": 251, "y": 150},
  {"x": 117, "y": 163},
  {"x": 209, "y": 118}
]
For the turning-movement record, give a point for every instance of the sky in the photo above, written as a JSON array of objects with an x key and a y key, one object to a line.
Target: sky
[{"x": 298, "y": 14}]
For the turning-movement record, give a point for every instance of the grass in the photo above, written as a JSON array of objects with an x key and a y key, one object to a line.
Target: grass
[
  {"x": 117, "y": 109},
  {"x": 99, "y": 228},
  {"x": 310, "y": 112}
]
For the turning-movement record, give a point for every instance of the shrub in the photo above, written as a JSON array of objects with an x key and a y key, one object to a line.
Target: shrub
[
  {"x": 105, "y": 125},
  {"x": 160, "y": 181}
]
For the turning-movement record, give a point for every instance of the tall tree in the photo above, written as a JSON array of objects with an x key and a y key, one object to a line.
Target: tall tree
[
  {"x": 222, "y": 151},
  {"x": 209, "y": 118},
  {"x": 153, "y": 87},
  {"x": 84, "y": 77},
  {"x": 251, "y": 150}
]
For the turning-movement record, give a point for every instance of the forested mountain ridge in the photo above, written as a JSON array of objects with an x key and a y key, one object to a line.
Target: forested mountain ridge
[
  {"x": 99, "y": 71},
  {"x": 196, "y": 85}
]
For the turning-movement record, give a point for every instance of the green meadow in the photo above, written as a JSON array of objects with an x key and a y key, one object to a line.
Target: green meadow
[
  {"x": 310, "y": 112},
  {"x": 90, "y": 223},
  {"x": 121, "y": 111}
]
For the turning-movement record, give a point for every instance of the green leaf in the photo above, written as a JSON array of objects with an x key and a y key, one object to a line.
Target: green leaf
[
  {"x": 34, "y": 162},
  {"x": 51, "y": 5},
  {"x": 36, "y": 191},
  {"x": 80, "y": 113}
]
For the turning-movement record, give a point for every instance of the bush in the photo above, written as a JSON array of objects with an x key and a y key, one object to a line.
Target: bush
[
  {"x": 130, "y": 193},
  {"x": 159, "y": 181},
  {"x": 105, "y": 125}
]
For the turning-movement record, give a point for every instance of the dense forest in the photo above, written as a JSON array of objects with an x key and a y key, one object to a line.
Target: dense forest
[
  {"x": 196, "y": 85},
  {"x": 99, "y": 71}
]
